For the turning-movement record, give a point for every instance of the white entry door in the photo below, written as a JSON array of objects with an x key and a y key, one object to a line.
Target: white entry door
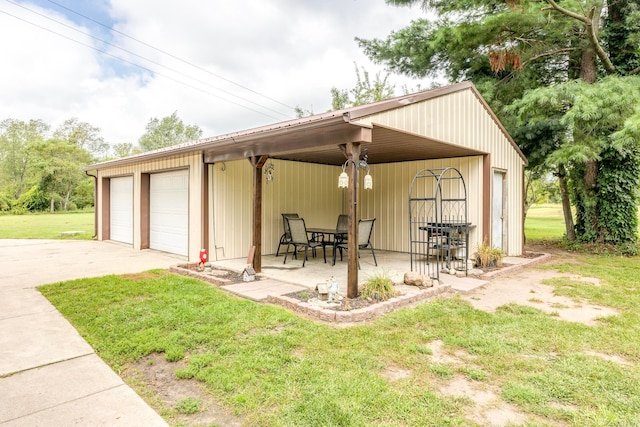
[
  {"x": 121, "y": 209},
  {"x": 497, "y": 210},
  {"x": 169, "y": 212}
]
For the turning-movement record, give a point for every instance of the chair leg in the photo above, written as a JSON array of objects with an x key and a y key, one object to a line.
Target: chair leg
[
  {"x": 374, "y": 256},
  {"x": 305, "y": 256},
  {"x": 286, "y": 254},
  {"x": 335, "y": 248}
]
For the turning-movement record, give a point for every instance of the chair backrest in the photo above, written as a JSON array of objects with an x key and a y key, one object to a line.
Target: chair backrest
[
  {"x": 365, "y": 228},
  {"x": 343, "y": 223},
  {"x": 286, "y": 223},
  {"x": 298, "y": 231}
]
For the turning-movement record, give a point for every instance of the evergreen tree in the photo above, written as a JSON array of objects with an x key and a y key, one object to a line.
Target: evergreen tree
[{"x": 511, "y": 49}]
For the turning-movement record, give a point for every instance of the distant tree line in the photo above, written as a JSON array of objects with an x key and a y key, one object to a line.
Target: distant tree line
[{"x": 42, "y": 171}]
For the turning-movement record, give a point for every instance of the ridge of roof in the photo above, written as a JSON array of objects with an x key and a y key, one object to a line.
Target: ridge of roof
[{"x": 345, "y": 114}]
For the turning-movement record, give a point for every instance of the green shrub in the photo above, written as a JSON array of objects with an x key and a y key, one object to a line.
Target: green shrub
[
  {"x": 5, "y": 203},
  {"x": 379, "y": 286},
  {"x": 33, "y": 200},
  {"x": 488, "y": 257}
]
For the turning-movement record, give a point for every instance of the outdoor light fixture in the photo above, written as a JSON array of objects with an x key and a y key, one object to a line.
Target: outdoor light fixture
[{"x": 343, "y": 179}]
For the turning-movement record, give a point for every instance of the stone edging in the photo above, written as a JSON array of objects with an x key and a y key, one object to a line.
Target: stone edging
[
  {"x": 221, "y": 281},
  {"x": 359, "y": 314},
  {"x": 515, "y": 267}
]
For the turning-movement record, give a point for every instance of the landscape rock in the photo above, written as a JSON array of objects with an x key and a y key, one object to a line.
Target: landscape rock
[{"x": 412, "y": 278}]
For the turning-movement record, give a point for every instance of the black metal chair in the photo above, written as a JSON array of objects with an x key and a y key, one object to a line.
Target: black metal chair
[
  {"x": 300, "y": 238},
  {"x": 286, "y": 236},
  {"x": 342, "y": 226},
  {"x": 365, "y": 229}
]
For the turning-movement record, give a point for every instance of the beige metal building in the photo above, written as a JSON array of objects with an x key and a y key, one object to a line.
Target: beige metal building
[{"x": 206, "y": 194}]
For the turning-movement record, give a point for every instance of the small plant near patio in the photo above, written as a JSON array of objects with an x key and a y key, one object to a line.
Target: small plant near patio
[
  {"x": 379, "y": 286},
  {"x": 188, "y": 406},
  {"x": 305, "y": 295},
  {"x": 488, "y": 257}
]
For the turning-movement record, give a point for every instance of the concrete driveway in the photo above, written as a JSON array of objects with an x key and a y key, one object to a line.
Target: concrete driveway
[{"x": 48, "y": 374}]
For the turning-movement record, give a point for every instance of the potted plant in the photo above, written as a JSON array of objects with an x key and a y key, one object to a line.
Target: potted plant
[{"x": 488, "y": 257}]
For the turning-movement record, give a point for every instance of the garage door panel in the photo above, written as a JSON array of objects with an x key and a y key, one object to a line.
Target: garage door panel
[
  {"x": 169, "y": 212},
  {"x": 121, "y": 209}
]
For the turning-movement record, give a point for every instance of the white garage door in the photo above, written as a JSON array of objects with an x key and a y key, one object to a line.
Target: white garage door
[
  {"x": 169, "y": 212},
  {"x": 121, "y": 209}
]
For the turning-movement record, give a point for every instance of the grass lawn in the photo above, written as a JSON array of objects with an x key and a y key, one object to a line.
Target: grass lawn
[
  {"x": 274, "y": 368},
  {"x": 544, "y": 222},
  {"x": 47, "y": 226}
]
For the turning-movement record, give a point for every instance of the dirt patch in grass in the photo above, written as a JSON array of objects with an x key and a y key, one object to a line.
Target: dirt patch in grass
[
  {"x": 487, "y": 408},
  {"x": 395, "y": 373},
  {"x": 165, "y": 391},
  {"x": 525, "y": 288}
]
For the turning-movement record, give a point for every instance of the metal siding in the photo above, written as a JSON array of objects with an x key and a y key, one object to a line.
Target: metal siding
[
  {"x": 388, "y": 201},
  {"x": 307, "y": 189},
  {"x": 461, "y": 119},
  {"x": 193, "y": 161}
]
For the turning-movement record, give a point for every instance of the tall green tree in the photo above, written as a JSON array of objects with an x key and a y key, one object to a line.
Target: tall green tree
[
  {"x": 364, "y": 92},
  {"x": 167, "y": 131},
  {"x": 58, "y": 165},
  {"x": 82, "y": 135},
  {"x": 511, "y": 47},
  {"x": 124, "y": 149},
  {"x": 16, "y": 138}
]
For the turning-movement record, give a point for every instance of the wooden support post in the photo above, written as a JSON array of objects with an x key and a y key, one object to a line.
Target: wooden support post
[
  {"x": 353, "y": 154},
  {"x": 257, "y": 162}
]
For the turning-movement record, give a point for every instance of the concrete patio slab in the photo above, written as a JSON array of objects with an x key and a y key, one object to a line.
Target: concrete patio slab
[
  {"x": 260, "y": 290},
  {"x": 463, "y": 285}
]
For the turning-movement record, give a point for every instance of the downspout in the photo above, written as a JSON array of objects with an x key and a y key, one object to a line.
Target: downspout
[{"x": 95, "y": 203}]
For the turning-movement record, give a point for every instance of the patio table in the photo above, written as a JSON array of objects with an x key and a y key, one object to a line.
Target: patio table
[{"x": 332, "y": 233}]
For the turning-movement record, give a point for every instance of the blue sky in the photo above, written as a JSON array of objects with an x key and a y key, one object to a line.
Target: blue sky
[{"x": 230, "y": 66}]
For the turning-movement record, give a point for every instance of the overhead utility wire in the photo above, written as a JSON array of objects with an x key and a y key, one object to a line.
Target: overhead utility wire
[
  {"x": 171, "y": 55},
  {"x": 138, "y": 65},
  {"x": 146, "y": 59}
]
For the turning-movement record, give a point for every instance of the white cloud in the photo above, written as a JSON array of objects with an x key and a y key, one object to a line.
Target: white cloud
[{"x": 292, "y": 51}]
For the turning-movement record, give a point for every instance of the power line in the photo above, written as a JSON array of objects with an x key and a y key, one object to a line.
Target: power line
[
  {"x": 137, "y": 65},
  {"x": 171, "y": 55},
  {"x": 146, "y": 59}
]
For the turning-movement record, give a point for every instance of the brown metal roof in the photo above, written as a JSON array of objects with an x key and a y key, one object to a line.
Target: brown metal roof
[
  {"x": 317, "y": 138},
  {"x": 387, "y": 146}
]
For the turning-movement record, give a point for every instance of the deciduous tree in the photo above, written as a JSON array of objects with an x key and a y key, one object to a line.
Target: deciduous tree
[
  {"x": 16, "y": 137},
  {"x": 167, "y": 131}
]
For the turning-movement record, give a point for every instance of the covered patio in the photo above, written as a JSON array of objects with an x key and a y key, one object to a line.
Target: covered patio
[
  {"x": 343, "y": 142},
  {"x": 226, "y": 194}
]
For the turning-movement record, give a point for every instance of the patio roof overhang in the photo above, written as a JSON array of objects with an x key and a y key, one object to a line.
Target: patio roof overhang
[{"x": 325, "y": 145}]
